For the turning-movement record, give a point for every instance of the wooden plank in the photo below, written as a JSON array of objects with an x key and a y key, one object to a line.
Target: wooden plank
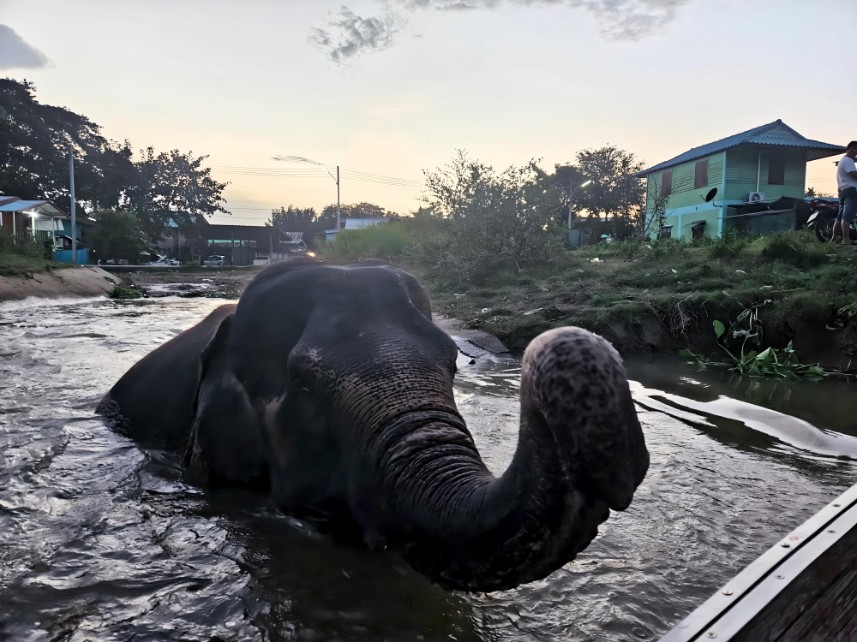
[
  {"x": 806, "y": 579},
  {"x": 803, "y": 588}
]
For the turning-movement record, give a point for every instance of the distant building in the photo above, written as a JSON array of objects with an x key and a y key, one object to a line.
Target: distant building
[
  {"x": 751, "y": 181},
  {"x": 18, "y": 216},
  {"x": 45, "y": 223}
]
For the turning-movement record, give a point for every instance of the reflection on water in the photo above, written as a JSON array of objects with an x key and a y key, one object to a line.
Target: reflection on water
[
  {"x": 823, "y": 404},
  {"x": 101, "y": 540}
]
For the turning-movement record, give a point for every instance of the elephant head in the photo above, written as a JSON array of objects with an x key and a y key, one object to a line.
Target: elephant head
[{"x": 331, "y": 387}]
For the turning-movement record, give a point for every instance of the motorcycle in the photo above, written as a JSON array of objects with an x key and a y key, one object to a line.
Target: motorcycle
[{"x": 823, "y": 214}]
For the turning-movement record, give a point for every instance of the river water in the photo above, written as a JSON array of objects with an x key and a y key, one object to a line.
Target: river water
[{"x": 100, "y": 540}]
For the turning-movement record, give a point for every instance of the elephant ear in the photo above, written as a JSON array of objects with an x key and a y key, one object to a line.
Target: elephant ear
[
  {"x": 417, "y": 294},
  {"x": 227, "y": 444},
  {"x": 154, "y": 401}
]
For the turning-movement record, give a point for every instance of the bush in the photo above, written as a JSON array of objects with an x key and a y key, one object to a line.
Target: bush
[
  {"x": 488, "y": 220},
  {"x": 382, "y": 241},
  {"x": 725, "y": 247},
  {"x": 127, "y": 291},
  {"x": 800, "y": 249},
  {"x": 22, "y": 245},
  {"x": 667, "y": 248}
]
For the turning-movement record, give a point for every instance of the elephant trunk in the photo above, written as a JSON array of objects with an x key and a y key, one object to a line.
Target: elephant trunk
[{"x": 580, "y": 452}]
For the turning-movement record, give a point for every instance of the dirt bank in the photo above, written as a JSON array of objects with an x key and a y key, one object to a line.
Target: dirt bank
[
  {"x": 635, "y": 320},
  {"x": 226, "y": 283},
  {"x": 71, "y": 281}
]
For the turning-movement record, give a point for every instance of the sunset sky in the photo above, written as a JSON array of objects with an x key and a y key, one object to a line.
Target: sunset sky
[{"x": 388, "y": 89}]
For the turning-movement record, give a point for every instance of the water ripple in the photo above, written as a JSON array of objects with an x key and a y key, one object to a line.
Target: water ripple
[{"x": 100, "y": 540}]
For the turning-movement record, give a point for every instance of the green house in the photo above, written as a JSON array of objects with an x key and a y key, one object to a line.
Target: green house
[{"x": 752, "y": 181}]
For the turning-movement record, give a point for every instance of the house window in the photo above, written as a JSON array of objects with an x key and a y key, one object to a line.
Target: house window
[
  {"x": 666, "y": 232},
  {"x": 697, "y": 229},
  {"x": 667, "y": 182},
  {"x": 776, "y": 169},
  {"x": 700, "y": 177}
]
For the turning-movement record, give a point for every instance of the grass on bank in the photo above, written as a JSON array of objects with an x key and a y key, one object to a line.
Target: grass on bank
[
  {"x": 22, "y": 255},
  {"x": 639, "y": 294},
  {"x": 12, "y": 264}
]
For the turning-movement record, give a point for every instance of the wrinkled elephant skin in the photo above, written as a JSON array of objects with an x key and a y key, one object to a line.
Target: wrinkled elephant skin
[{"x": 331, "y": 388}]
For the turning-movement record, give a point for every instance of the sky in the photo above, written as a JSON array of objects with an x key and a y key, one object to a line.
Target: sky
[{"x": 389, "y": 89}]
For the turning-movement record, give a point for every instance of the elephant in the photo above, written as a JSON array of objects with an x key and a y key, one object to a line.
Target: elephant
[{"x": 330, "y": 388}]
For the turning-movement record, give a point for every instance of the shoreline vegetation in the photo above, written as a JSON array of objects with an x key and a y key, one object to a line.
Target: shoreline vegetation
[
  {"x": 785, "y": 291},
  {"x": 712, "y": 296}
]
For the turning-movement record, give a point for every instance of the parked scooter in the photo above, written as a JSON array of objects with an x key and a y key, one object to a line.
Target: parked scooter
[{"x": 824, "y": 212}]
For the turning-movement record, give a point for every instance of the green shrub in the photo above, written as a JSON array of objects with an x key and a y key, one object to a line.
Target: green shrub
[
  {"x": 382, "y": 241},
  {"x": 800, "y": 249},
  {"x": 127, "y": 291},
  {"x": 667, "y": 248},
  {"x": 22, "y": 245},
  {"x": 725, "y": 247}
]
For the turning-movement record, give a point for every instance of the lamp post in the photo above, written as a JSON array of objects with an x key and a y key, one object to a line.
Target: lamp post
[
  {"x": 302, "y": 159},
  {"x": 73, "y": 213},
  {"x": 571, "y": 192}
]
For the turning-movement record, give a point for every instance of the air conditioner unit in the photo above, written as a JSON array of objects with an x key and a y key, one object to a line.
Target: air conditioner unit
[{"x": 755, "y": 197}]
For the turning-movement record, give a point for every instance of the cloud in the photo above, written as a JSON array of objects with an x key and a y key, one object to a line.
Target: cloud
[
  {"x": 617, "y": 19},
  {"x": 17, "y": 54},
  {"x": 349, "y": 34}
]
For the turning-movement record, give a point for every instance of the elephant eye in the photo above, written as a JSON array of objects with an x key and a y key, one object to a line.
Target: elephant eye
[{"x": 305, "y": 366}]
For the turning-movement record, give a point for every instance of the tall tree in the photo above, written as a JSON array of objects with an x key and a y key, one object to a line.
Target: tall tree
[
  {"x": 615, "y": 195},
  {"x": 568, "y": 179},
  {"x": 356, "y": 210},
  {"x": 173, "y": 186},
  {"x": 495, "y": 218},
  {"x": 293, "y": 219},
  {"x": 34, "y": 146},
  {"x": 117, "y": 235}
]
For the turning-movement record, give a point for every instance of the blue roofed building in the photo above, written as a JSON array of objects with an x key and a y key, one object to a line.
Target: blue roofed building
[{"x": 753, "y": 181}]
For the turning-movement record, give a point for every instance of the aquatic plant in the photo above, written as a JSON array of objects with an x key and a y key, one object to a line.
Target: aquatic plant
[
  {"x": 126, "y": 291},
  {"x": 752, "y": 360}
]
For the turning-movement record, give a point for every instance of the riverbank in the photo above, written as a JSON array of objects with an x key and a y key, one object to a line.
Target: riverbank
[
  {"x": 230, "y": 283},
  {"x": 55, "y": 282},
  {"x": 226, "y": 282},
  {"x": 643, "y": 297},
  {"x": 667, "y": 296}
]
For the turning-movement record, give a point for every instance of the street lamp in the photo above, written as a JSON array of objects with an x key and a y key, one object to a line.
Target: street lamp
[
  {"x": 302, "y": 159},
  {"x": 571, "y": 198}
]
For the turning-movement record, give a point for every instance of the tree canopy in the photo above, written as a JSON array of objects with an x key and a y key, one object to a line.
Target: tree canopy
[
  {"x": 293, "y": 219},
  {"x": 35, "y": 140},
  {"x": 357, "y": 210},
  {"x": 311, "y": 223},
  {"x": 616, "y": 194},
  {"x": 118, "y": 235},
  {"x": 34, "y": 151},
  {"x": 173, "y": 186},
  {"x": 489, "y": 218}
]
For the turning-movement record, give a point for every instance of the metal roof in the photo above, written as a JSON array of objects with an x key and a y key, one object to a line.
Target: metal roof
[
  {"x": 40, "y": 207},
  {"x": 360, "y": 223},
  {"x": 775, "y": 134},
  {"x": 19, "y": 205}
]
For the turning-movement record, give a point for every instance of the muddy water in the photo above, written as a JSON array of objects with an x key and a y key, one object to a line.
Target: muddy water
[{"x": 99, "y": 540}]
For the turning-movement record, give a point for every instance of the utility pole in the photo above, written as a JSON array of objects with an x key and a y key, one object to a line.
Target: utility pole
[
  {"x": 73, "y": 213},
  {"x": 570, "y": 194},
  {"x": 303, "y": 159}
]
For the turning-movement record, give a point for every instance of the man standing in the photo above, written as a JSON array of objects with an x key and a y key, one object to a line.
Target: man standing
[{"x": 846, "y": 180}]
